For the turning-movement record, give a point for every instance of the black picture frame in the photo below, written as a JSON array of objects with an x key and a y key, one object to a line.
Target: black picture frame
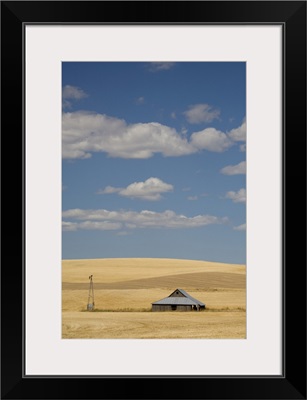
[{"x": 292, "y": 383}]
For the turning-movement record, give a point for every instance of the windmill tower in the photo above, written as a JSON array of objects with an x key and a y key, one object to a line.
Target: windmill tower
[{"x": 90, "y": 301}]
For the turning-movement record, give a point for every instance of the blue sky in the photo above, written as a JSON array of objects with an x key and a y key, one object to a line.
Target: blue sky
[{"x": 154, "y": 160}]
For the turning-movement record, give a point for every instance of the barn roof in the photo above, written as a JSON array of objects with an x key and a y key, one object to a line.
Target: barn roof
[
  {"x": 187, "y": 300},
  {"x": 190, "y": 297},
  {"x": 176, "y": 300}
]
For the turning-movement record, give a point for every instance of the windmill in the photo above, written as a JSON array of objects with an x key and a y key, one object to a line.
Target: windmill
[{"x": 90, "y": 302}]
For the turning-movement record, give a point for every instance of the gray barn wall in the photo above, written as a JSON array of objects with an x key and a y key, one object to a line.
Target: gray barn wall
[{"x": 157, "y": 307}]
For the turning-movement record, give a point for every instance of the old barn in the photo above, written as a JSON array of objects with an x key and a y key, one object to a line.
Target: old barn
[{"x": 179, "y": 300}]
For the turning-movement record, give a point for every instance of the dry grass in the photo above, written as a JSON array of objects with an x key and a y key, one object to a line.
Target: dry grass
[
  {"x": 120, "y": 325},
  {"x": 127, "y": 269},
  {"x": 129, "y": 286}
]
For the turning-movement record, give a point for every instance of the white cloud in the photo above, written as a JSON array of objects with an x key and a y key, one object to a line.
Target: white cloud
[
  {"x": 91, "y": 225},
  {"x": 243, "y": 147},
  {"x": 186, "y": 189},
  {"x": 106, "y": 220},
  {"x": 123, "y": 233},
  {"x": 84, "y": 133},
  {"x": 240, "y": 227},
  {"x": 238, "y": 134},
  {"x": 66, "y": 104},
  {"x": 160, "y": 66},
  {"x": 109, "y": 190},
  {"x": 151, "y": 189},
  {"x": 211, "y": 139},
  {"x": 237, "y": 197},
  {"x": 173, "y": 115},
  {"x": 199, "y": 113},
  {"x": 192, "y": 198},
  {"x": 69, "y": 226},
  {"x": 73, "y": 93},
  {"x": 235, "y": 169},
  {"x": 140, "y": 100}
]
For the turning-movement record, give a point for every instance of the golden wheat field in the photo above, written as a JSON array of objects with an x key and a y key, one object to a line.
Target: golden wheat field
[{"x": 125, "y": 288}]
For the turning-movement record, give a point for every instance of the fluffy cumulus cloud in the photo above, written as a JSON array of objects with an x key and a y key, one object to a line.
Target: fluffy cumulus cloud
[
  {"x": 239, "y": 169},
  {"x": 160, "y": 66},
  {"x": 237, "y": 197},
  {"x": 199, "y": 113},
  {"x": 211, "y": 139},
  {"x": 73, "y": 93},
  {"x": 126, "y": 220},
  {"x": 151, "y": 189},
  {"x": 240, "y": 227},
  {"x": 238, "y": 134},
  {"x": 84, "y": 133}
]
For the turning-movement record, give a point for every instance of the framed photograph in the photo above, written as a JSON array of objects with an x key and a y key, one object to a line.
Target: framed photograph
[{"x": 163, "y": 149}]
